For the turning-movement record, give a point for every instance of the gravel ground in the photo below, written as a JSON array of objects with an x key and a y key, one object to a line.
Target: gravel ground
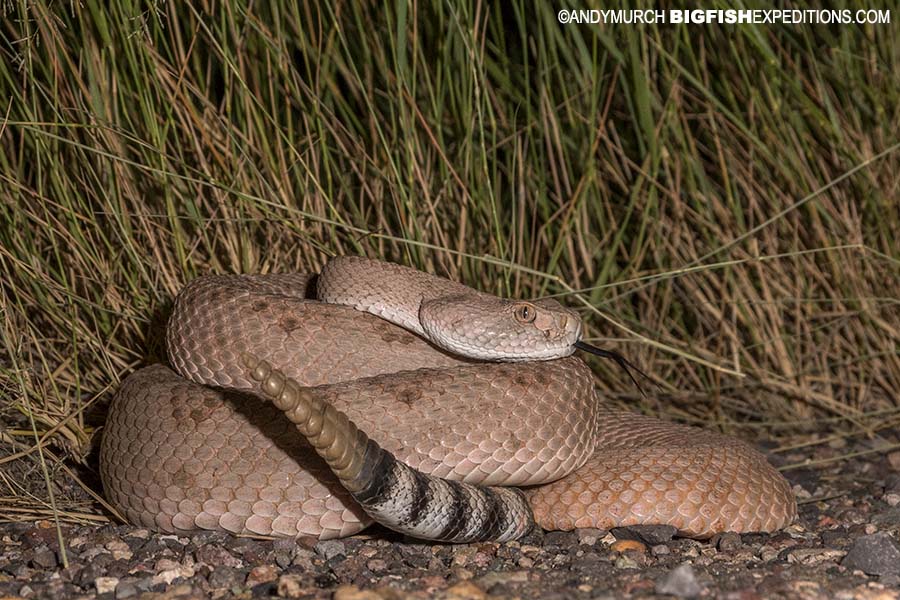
[{"x": 843, "y": 546}]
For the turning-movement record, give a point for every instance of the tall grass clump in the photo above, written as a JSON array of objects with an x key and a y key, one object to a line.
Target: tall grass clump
[{"x": 721, "y": 203}]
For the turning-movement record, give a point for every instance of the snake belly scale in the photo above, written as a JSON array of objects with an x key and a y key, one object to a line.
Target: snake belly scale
[{"x": 402, "y": 354}]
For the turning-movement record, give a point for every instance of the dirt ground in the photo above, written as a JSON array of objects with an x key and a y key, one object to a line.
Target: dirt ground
[{"x": 844, "y": 545}]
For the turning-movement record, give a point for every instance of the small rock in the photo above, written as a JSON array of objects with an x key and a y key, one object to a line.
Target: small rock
[
  {"x": 217, "y": 556},
  {"x": 93, "y": 552},
  {"x": 887, "y": 519},
  {"x": 892, "y": 482},
  {"x": 262, "y": 574},
  {"x": 331, "y": 548},
  {"x": 649, "y": 534},
  {"x": 588, "y": 536},
  {"x": 813, "y": 556},
  {"x": 877, "y": 554},
  {"x": 119, "y": 550},
  {"x": 465, "y": 590},
  {"x": 376, "y": 565},
  {"x": 127, "y": 588},
  {"x": 225, "y": 578},
  {"x": 253, "y": 552},
  {"x": 681, "y": 582},
  {"x": 893, "y": 459},
  {"x": 624, "y": 561},
  {"x": 105, "y": 585},
  {"x": 462, "y": 555},
  {"x": 587, "y": 562},
  {"x": 767, "y": 553},
  {"x": 499, "y": 578},
  {"x": 291, "y": 586},
  {"x": 284, "y": 553},
  {"x": 44, "y": 558},
  {"x": 26, "y": 591},
  {"x": 303, "y": 558},
  {"x": 726, "y": 542},
  {"x": 140, "y": 534},
  {"x": 168, "y": 570},
  {"x": 351, "y": 592},
  {"x": 628, "y": 546},
  {"x": 184, "y": 591},
  {"x": 659, "y": 550}
]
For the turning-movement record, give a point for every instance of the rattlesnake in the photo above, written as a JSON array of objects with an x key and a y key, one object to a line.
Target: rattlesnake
[{"x": 403, "y": 354}]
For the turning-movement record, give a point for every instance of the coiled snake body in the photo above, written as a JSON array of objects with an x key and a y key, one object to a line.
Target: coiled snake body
[{"x": 400, "y": 353}]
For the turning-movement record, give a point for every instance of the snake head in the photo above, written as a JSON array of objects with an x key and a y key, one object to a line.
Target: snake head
[{"x": 490, "y": 328}]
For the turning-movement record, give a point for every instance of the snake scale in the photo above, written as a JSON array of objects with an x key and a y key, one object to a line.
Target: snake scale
[{"x": 311, "y": 405}]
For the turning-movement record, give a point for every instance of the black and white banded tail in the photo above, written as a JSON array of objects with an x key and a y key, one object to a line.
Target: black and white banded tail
[{"x": 391, "y": 492}]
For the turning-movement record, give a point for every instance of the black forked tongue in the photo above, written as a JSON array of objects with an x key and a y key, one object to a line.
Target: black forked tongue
[{"x": 621, "y": 360}]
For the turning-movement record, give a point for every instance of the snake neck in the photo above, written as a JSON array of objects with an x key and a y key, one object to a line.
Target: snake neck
[
  {"x": 354, "y": 281},
  {"x": 452, "y": 316}
]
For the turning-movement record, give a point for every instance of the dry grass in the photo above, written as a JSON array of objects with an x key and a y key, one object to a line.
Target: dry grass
[{"x": 722, "y": 203}]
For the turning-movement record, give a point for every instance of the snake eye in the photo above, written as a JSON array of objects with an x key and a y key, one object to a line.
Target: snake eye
[{"x": 525, "y": 313}]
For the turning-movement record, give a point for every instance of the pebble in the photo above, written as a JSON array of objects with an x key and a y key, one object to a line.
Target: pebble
[
  {"x": 129, "y": 588},
  {"x": 767, "y": 553},
  {"x": 625, "y": 561},
  {"x": 877, "y": 554},
  {"x": 501, "y": 578},
  {"x": 649, "y": 534},
  {"x": 726, "y": 542},
  {"x": 888, "y": 519},
  {"x": 291, "y": 586},
  {"x": 813, "y": 556},
  {"x": 331, "y": 548},
  {"x": 352, "y": 592},
  {"x": 589, "y": 536},
  {"x": 303, "y": 558},
  {"x": 215, "y": 556},
  {"x": 628, "y": 546},
  {"x": 376, "y": 565},
  {"x": 463, "y": 555},
  {"x": 262, "y": 574},
  {"x": 140, "y": 534},
  {"x": 119, "y": 550},
  {"x": 225, "y": 578},
  {"x": 168, "y": 570},
  {"x": 106, "y": 585},
  {"x": 44, "y": 558},
  {"x": 681, "y": 582}
]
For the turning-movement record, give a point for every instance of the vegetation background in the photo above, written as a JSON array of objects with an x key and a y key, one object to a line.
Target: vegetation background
[{"x": 720, "y": 202}]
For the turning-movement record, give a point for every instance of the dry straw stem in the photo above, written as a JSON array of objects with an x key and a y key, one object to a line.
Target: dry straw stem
[{"x": 720, "y": 203}]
